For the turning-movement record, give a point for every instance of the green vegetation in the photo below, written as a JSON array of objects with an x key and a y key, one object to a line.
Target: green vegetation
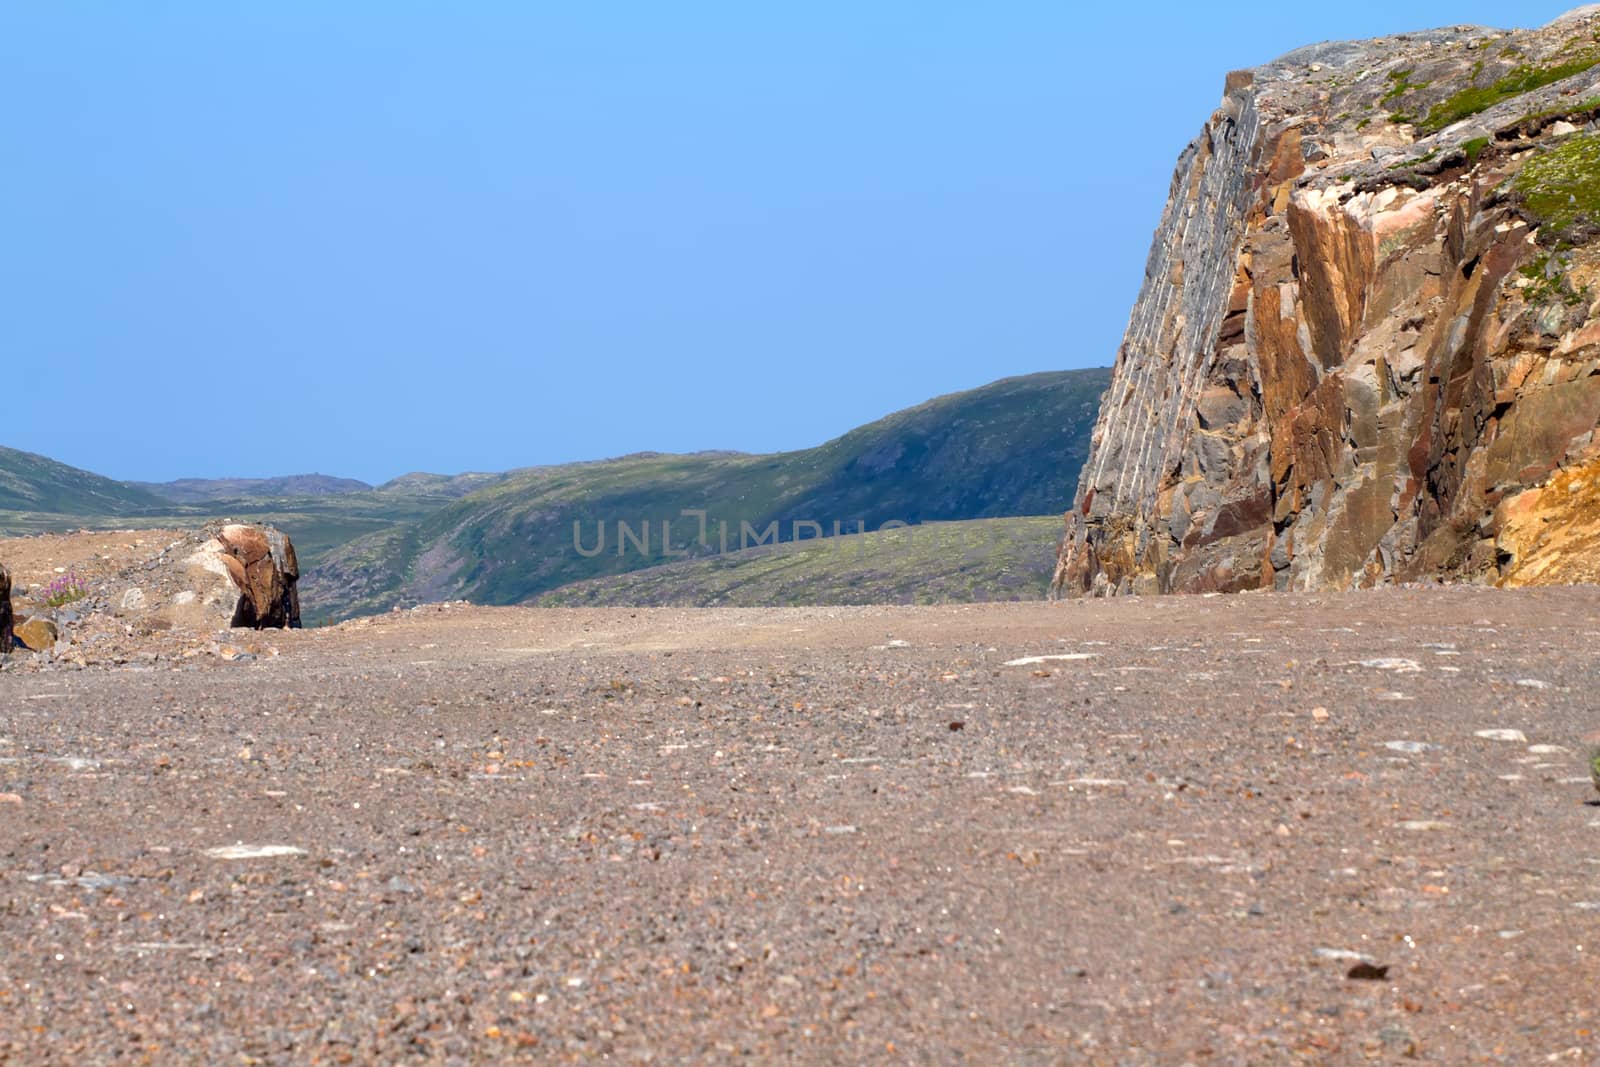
[
  {"x": 1400, "y": 84},
  {"x": 1562, "y": 187},
  {"x": 1011, "y": 448},
  {"x": 946, "y": 562},
  {"x": 1474, "y": 148},
  {"x": 1548, "y": 273},
  {"x": 1474, "y": 98}
]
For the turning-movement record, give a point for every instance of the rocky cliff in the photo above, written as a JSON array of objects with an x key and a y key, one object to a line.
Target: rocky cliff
[{"x": 1367, "y": 346}]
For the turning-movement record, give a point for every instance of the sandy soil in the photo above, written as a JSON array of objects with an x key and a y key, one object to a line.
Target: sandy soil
[{"x": 465, "y": 835}]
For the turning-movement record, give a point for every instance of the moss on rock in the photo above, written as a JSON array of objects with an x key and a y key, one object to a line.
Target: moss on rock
[{"x": 1562, "y": 187}]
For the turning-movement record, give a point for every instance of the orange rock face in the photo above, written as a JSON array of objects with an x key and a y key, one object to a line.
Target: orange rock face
[{"x": 1361, "y": 354}]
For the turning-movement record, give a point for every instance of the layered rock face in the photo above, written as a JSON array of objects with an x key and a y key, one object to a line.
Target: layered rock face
[{"x": 1367, "y": 347}]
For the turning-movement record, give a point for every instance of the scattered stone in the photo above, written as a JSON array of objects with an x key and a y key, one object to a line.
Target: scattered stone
[
  {"x": 10, "y": 798},
  {"x": 1532, "y": 683},
  {"x": 1368, "y": 972},
  {"x": 1501, "y": 735},
  {"x": 133, "y": 599},
  {"x": 1423, "y": 825}
]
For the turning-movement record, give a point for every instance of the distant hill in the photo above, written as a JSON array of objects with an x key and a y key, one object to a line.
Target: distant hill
[
  {"x": 444, "y": 486},
  {"x": 937, "y": 563},
  {"x": 33, "y": 483},
  {"x": 199, "y": 490},
  {"x": 1012, "y": 448}
]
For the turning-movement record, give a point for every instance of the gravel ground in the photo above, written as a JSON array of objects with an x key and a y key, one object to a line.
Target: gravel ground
[{"x": 1251, "y": 829}]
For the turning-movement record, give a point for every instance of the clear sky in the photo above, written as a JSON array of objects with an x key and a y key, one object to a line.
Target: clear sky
[{"x": 365, "y": 238}]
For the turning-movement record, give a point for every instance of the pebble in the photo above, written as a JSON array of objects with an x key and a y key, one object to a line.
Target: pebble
[
  {"x": 1423, "y": 825},
  {"x": 1501, "y": 735},
  {"x": 1028, "y": 661},
  {"x": 1404, "y": 666},
  {"x": 1409, "y": 746},
  {"x": 252, "y": 852},
  {"x": 1341, "y": 954}
]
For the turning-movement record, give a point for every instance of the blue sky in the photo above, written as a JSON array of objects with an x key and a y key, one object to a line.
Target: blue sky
[{"x": 366, "y": 238}]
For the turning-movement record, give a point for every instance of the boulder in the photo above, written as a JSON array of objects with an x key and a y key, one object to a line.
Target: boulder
[
  {"x": 37, "y": 634},
  {"x": 226, "y": 574},
  {"x": 260, "y": 560},
  {"x": 6, "y": 639}
]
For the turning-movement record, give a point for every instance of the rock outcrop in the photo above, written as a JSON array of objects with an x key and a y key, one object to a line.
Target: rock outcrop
[
  {"x": 116, "y": 597},
  {"x": 1367, "y": 347},
  {"x": 7, "y": 639},
  {"x": 260, "y": 561}
]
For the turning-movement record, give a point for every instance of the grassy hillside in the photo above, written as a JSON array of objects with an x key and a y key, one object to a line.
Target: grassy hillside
[
  {"x": 1011, "y": 448},
  {"x": 32, "y": 483},
  {"x": 945, "y": 562}
]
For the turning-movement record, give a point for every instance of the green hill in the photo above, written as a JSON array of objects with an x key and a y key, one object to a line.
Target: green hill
[
  {"x": 32, "y": 483},
  {"x": 1013, "y": 448},
  {"x": 938, "y": 563}
]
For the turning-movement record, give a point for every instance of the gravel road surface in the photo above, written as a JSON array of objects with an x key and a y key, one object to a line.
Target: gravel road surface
[{"x": 1213, "y": 830}]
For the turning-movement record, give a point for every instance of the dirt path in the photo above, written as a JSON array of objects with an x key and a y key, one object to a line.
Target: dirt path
[{"x": 820, "y": 835}]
